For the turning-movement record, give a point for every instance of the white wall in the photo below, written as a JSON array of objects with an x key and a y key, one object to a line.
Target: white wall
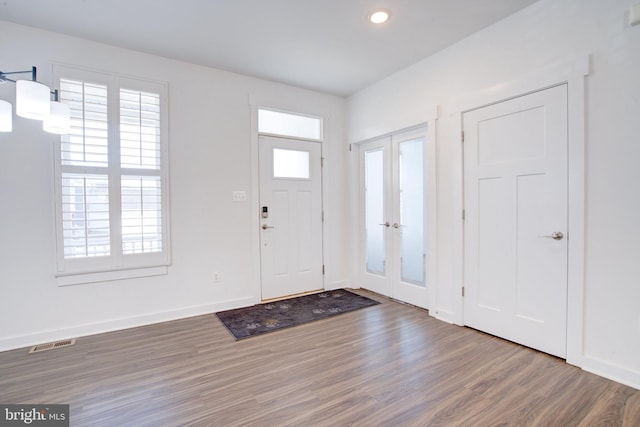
[
  {"x": 210, "y": 156},
  {"x": 546, "y": 33}
]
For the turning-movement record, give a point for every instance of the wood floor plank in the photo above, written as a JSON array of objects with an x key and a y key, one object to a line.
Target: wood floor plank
[{"x": 387, "y": 365}]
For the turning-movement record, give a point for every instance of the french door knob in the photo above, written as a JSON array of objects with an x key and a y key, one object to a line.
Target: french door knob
[
  {"x": 396, "y": 225},
  {"x": 386, "y": 224},
  {"x": 265, "y": 226}
]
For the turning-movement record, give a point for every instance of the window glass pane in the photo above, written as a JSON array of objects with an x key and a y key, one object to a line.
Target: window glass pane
[
  {"x": 85, "y": 215},
  {"x": 139, "y": 129},
  {"x": 287, "y": 124},
  {"x": 374, "y": 210},
  {"x": 141, "y": 214},
  {"x": 290, "y": 164},
  {"x": 87, "y": 143},
  {"x": 412, "y": 211}
]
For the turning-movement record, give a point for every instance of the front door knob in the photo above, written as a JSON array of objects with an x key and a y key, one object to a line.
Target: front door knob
[{"x": 556, "y": 235}]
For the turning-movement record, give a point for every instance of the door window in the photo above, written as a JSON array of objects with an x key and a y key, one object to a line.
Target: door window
[{"x": 290, "y": 164}]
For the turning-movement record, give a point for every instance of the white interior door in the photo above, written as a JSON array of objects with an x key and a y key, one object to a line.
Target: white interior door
[
  {"x": 290, "y": 217},
  {"x": 394, "y": 221},
  {"x": 515, "y": 167}
]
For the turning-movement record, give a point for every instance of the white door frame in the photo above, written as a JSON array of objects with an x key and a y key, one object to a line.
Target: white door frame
[
  {"x": 572, "y": 73},
  {"x": 430, "y": 151},
  {"x": 256, "y": 102}
]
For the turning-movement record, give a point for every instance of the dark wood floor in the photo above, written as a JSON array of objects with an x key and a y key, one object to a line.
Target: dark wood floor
[{"x": 388, "y": 365}]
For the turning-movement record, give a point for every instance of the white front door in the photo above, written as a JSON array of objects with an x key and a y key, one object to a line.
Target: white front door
[
  {"x": 290, "y": 217},
  {"x": 393, "y": 217},
  {"x": 515, "y": 256}
]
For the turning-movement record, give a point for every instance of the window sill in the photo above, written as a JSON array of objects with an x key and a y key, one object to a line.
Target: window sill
[{"x": 108, "y": 276}]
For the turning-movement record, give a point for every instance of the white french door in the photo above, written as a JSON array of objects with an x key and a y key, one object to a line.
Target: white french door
[
  {"x": 393, "y": 217},
  {"x": 290, "y": 216},
  {"x": 515, "y": 167}
]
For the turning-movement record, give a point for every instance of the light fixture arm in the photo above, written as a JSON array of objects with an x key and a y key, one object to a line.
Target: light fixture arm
[
  {"x": 4, "y": 78},
  {"x": 34, "y": 78}
]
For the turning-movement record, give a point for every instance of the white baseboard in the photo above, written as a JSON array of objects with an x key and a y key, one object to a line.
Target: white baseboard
[
  {"x": 20, "y": 341},
  {"x": 443, "y": 315},
  {"x": 611, "y": 371}
]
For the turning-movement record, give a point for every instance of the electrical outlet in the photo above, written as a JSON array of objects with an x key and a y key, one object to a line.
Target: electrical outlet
[{"x": 215, "y": 276}]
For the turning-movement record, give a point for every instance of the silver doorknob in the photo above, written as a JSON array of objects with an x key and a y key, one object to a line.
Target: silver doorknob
[
  {"x": 265, "y": 226},
  {"x": 396, "y": 225},
  {"x": 556, "y": 235},
  {"x": 386, "y": 224}
]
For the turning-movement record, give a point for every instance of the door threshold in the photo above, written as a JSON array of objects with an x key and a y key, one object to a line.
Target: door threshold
[{"x": 317, "y": 291}]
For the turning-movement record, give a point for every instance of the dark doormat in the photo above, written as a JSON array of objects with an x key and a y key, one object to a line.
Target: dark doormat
[{"x": 262, "y": 318}]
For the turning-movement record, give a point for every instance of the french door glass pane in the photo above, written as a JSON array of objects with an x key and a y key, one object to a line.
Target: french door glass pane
[
  {"x": 412, "y": 211},
  {"x": 374, "y": 210}
]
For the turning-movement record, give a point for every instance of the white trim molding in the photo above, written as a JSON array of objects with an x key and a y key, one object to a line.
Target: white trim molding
[
  {"x": 295, "y": 107},
  {"x": 611, "y": 371}
]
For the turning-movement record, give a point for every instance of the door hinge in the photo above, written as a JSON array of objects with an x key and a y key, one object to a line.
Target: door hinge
[
  {"x": 462, "y": 136},
  {"x": 463, "y": 291},
  {"x": 322, "y": 216},
  {"x": 323, "y": 269},
  {"x": 464, "y": 214},
  {"x": 350, "y": 147},
  {"x": 321, "y": 162}
]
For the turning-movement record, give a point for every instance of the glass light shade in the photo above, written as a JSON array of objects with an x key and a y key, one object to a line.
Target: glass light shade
[
  {"x": 6, "y": 122},
  {"x": 59, "y": 121},
  {"x": 32, "y": 100}
]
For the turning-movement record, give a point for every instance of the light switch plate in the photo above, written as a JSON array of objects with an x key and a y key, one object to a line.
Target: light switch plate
[{"x": 239, "y": 196}]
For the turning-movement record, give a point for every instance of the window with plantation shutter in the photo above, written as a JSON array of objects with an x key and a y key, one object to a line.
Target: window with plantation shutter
[{"x": 111, "y": 176}]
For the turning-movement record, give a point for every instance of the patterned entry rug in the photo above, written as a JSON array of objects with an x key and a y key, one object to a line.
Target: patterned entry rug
[{"x": 262, "y": 318}]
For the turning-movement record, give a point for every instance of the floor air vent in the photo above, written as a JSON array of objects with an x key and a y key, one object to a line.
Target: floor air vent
[{"x": 52, "y": 345}]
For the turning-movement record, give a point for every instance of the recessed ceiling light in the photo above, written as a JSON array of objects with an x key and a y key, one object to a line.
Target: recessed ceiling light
[{"x": 379, "y": 16}]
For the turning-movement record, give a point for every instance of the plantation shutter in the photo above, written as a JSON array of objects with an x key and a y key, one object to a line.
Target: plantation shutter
[
  {"x": 111, "y": 177},
  {"x": 140, "y": 154},
  {"x": 84, "y": 159}
]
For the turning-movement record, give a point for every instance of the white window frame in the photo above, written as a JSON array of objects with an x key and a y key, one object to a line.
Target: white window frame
[{"x": 116, "y": 266}]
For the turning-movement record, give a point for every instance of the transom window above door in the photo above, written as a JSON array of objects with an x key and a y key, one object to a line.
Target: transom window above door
[{"x": 272, "y": 122}]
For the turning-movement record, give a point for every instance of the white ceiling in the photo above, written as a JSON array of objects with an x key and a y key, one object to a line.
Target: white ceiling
[{"x": 325, "y": 45}]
